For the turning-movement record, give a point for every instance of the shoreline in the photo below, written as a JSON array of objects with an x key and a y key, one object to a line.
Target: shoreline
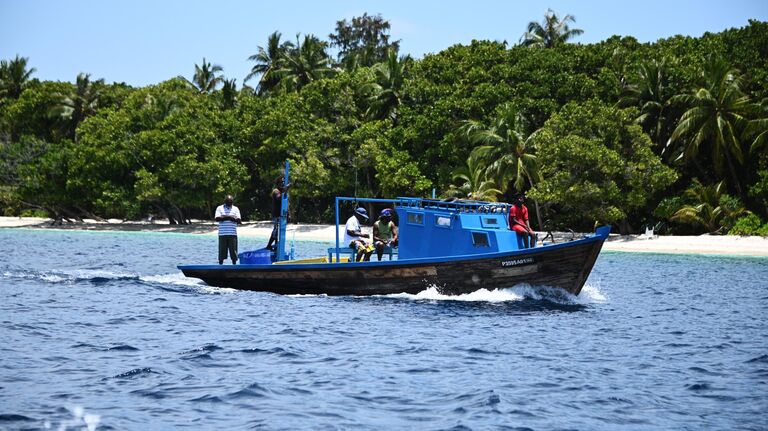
[{"x": 701, "y": 244}]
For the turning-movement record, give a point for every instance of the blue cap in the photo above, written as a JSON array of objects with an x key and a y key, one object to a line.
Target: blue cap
[
  {"x": 386, "y": 212},
  {"x": 362, "y": 212}
]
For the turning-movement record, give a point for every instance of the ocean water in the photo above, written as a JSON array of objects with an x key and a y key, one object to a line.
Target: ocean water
[{"x": 99, "y": 330}]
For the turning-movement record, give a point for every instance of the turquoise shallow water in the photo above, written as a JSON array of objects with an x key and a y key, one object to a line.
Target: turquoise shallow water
[{"x": 100, "y": 331}]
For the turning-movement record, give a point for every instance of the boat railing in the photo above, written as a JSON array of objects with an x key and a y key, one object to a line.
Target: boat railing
[{"x": 463, "y": 206}]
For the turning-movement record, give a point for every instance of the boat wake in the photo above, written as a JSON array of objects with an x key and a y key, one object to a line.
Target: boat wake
[
  {"x": 71, "y": 276},
  {"x": 590, "y": 294},
  {"x": 75, "y": 276}
]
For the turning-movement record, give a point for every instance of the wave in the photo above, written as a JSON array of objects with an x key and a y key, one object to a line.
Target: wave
[
  {"x": 72, "y": 276},
  {"x": 175, "y": 278},
  {"x": 589, "y": 294},
  {"x": 105, "y": 276}
]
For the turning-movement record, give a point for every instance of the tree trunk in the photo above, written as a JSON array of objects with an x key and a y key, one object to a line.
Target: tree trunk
[
  {"x": 734, "y": 177},
  {"x": 179, "y": 214},
  {"x": 538, "y": 215},
  {"x": 88, "y": 214},
  {"x": 168, "y": 214},
  {"x": 536, "y": 205},
  {"x": 624, "y": 227}
]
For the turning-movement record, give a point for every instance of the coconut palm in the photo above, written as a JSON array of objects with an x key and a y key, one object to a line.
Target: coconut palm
[
  {"x": 711, "y": 209},
  {"x": 14, "y": 76},
  {"x": 551, "y": 32},
  {"x": 717, "y": 114},
  {"x": 385, "y": 93},
  {"x": 229, "y": 93},
  {"x": 505, "y": 145},
  {"x": 473, "y": 181},
  {"x": 267, "y": 62},
  {"x": 79, "y": 104},
  {"x": 757, "y": 129},
  {"x": 307, "y": 62},
  {"x": 206, "y": 79},
  {"x": 651, "y": 93}
]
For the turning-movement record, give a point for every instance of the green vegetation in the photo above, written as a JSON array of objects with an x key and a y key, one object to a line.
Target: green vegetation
[{"x": 669, "y": 134}]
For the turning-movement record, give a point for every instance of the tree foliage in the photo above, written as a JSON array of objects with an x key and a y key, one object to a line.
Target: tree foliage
[
  {"x": 363, "y": 41},
  {"x": 592, "y": 131},
  {"x": 709, "y": 207},
  {"x": 14, "y": 77},
  {"x": 596, "y": 166},
  {"x": 551, "y": 32}
]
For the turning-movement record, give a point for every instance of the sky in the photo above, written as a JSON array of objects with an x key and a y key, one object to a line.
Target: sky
[{"x": 143, "y": 42}]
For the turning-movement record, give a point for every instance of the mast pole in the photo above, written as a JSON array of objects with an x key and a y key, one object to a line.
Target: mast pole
[{"x": 281, "y": 255}]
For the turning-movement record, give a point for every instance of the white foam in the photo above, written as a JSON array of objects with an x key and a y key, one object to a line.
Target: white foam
[
  {"x": 172, "y": 278},
  {"x": 52, "y": 278},
  {"x": 178, "y": 279},
  {"x": 88, "y": 274},
  {"x": 80, "y": 420},
  {"x": 482, "y": 295},
  {"x": 212, "y": 290},
  {"x": 589, "y": 294}
]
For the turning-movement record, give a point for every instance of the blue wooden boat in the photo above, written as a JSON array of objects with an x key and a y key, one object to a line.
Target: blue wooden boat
[{"x": 457, "y": 247}]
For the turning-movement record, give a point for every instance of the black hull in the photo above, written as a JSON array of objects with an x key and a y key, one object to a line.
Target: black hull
[{"x": 566, "y": 266}]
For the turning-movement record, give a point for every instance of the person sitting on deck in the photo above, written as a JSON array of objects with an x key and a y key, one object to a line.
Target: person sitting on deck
[
  {"x": 353, "y": 235},
  {"x": 384, "y": 232},
  {"x": 518, "y": 220}
]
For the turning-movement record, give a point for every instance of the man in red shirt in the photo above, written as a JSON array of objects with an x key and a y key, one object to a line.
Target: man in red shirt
[{"x": 518, "y": 220}]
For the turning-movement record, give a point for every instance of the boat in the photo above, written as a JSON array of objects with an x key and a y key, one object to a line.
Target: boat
[{"x": 456, "y": 246}]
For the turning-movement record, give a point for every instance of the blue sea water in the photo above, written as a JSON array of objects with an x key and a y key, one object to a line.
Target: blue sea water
[{"x": 99, "y": 330}]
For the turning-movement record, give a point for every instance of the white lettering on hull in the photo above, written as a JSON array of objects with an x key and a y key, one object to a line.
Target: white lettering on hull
[{"x": 517, "y": 262}]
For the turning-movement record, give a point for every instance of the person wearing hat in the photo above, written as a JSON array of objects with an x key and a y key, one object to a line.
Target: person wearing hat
[
  {"x": 384, "y": 232},
  {"x": 353, "y": 235},
  {"x": 518, "y": 220}
]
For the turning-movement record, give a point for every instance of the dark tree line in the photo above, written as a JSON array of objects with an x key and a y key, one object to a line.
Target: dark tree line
[{"x": 670, "y": 134}]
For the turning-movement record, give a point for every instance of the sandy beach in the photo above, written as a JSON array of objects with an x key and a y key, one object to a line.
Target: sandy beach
[{"x": 702, "y": 244}]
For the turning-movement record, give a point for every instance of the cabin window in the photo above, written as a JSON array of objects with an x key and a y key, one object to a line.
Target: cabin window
[
  {"x": 480, "y": 239},
  {"x": 442, "y": 221},
  {"x": 491, "y": 222},
  {"x": 416, "y": 218}
]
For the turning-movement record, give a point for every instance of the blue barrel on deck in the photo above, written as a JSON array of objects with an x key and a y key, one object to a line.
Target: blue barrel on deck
[{"x": 262, "y": 256}]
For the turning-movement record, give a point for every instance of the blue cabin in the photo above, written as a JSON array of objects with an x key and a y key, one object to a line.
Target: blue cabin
[
  {"x": 436, "y": 228},
  {"x": 432, "y": 228}
]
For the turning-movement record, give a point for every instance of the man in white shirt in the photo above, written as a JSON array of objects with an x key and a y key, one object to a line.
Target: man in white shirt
[
  {"x": 228, "y": 217},
  {"x": 353, "y": 235}
]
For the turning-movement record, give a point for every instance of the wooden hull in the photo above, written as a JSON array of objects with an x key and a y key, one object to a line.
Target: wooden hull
[{"x": 565, "y": 265}]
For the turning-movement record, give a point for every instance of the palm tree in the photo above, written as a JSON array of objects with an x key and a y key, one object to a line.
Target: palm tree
[
  {"x": 76, "y": 106},
  {"x": 229, "y": 93},
  {"x": 206, "y": 79},
  {"x": 551, "y": 32},
  {"x": 474, "y": 183},
  {"x": 651, "y": 93},
  {"x": 307, "y": 62},
  {"x": 161, "y": 106},
  {"x": 506, "y": 147},
  {"x": 14, "y": 76},
  {"x": 717, "y": 114},
  {"x": 757, "y": 129},
  {"x": 267, "y": 62},
  {"x": 710, "y": 210},
  {"x": 385, "y": 93}
]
